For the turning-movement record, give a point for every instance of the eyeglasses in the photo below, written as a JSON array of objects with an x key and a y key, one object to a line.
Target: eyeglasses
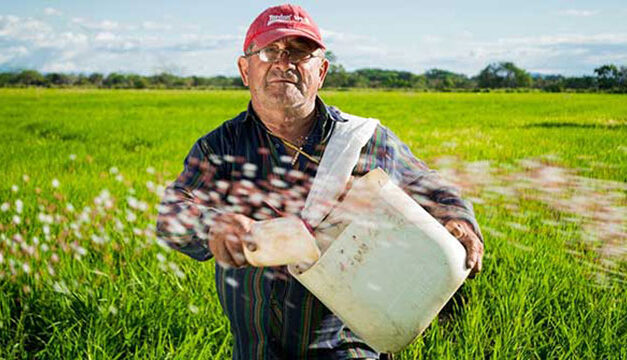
[{"x": 273, "y": 54}]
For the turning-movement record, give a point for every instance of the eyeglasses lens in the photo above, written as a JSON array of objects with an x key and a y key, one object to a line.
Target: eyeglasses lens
[{"x": 272, "y": 54}]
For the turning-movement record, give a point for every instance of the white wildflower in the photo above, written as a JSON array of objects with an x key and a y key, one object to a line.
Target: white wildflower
[
  {"x": 26, "y": 268},
  {"x": 118, "y": 225},
  {"x": 5, "y": 207},
  {"x": 142, "y": 206},
  {"x": 132, "y": 202},
  {"x": 80, "y": 250},
  {"x": 69, "y": 207},
  {"x": 130, "y": 216},
  {"x": 15, "y": 188},
  {"x": 55, "y": 183},
  {"x": 150, "y": 185},
  {"x": 60, "y": 287},
  {"x": 72, "y": 157},
  {"x": 16, "y": 220},
  {"x": 150, "y": 170},
  {"x": 45, "y": 218},
  {"x": 19, "y": 205},
  {"x": 119, "y": 178},
  {"x": 114, "y": 170},
  {"x": 160, "y": 257},
  {"x": 25, "y": 178},
  {"x": 193, "y": 308}
]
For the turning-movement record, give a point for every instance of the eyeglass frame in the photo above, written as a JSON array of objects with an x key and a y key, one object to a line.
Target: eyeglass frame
[{"x": 286, "y": 51}]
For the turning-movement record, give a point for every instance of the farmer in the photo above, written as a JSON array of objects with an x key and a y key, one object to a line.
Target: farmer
[{"x": 260, "y": 165}]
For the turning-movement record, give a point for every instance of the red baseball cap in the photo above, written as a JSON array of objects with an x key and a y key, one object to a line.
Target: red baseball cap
[{"x": 280, "y": 21}]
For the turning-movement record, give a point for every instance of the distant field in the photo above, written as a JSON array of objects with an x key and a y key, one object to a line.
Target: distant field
[{"x": 81, "y": 275}]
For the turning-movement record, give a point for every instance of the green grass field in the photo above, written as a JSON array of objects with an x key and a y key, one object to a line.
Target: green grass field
[{"x": 82, "y": 275}]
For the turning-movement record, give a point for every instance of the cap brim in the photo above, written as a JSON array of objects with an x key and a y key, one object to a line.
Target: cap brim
[{"x": 263, "y": 40}]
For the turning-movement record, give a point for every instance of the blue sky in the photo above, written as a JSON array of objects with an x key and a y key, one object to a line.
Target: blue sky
[{"x": 205, "y": 37}]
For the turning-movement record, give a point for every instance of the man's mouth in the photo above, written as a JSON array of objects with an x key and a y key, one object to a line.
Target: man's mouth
[{"x": 281, "y": 81}]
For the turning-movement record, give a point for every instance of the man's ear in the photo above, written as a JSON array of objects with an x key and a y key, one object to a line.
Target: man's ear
[
  {"x": 324, "y": 69},
  {"x": 242, "y": 64}
]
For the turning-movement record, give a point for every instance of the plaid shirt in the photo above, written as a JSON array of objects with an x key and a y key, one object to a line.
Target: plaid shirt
[{"x": 235, "y": 167}]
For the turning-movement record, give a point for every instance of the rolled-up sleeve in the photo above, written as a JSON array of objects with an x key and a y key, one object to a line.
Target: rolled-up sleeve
[{"x": 188, "y": 205}]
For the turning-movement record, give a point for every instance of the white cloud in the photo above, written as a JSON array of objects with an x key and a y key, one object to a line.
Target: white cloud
[
  {"x": 569, "y": 54},
  {"x": 10, "y": 53},
  {"x": 90, "y": 45},
  {"x": 578, "y": 13},
  {"x": 24, "y": 29},
  {"x": 151, "y": 25},
  {"x": 103, "y": 25},
  {"x": 65, "y": 67},
  {"x": 573, "y": 39},
  {"x": 52, "y": 12},
  {"x": 432, "y": 39}
]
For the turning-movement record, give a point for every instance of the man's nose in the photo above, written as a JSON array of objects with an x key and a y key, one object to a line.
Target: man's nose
[{"x": 283, "y": 62}]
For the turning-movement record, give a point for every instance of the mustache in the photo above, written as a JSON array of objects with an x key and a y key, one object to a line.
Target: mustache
[{"x": 290, "y": 75}]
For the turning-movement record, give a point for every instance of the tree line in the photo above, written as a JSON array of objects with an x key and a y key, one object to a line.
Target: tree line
[{"x": 503, "y": 75}]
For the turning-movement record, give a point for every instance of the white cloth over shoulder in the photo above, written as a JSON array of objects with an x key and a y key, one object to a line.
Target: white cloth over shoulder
[{"x": 336, "y": 166}]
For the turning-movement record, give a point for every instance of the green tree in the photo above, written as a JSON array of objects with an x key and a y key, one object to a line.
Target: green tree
[
  {"x": 443, "y": 79},
  {"x": 503, "y": 75},
  {"x": 608, "y": 76},
  {"x": 30, "y": 78},
  {"x": 96, "y": 79},
  {"x": 59, "y": 79},
  {"x": 115, "y": 80}
]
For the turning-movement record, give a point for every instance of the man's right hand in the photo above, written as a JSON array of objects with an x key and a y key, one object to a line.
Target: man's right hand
[{"x": 227, "y": 236}]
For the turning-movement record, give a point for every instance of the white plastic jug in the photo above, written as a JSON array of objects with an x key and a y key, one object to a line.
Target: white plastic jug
[{"x": 387, "y": 268}]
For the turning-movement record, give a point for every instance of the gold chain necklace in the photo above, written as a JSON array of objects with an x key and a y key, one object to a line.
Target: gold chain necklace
[{"x": 298, "y": 149}]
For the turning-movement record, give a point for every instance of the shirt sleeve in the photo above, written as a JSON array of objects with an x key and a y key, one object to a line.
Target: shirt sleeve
[
  {"x": 438, "y": 197},
  {"x": 188, "y": 205}
]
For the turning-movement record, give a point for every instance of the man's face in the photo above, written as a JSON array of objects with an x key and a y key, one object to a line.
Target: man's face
[{"x": 283, "y": 84}]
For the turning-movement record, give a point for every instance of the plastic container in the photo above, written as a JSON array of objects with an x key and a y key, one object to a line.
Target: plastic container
[
  {"x": 281, "y": 241},
  {"x": 387, "y": 268}
]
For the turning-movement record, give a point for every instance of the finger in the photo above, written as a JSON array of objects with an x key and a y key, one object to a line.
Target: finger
[
  {"x": 225, "y": 260},
  {"x": 222, "y": 255},
  {"x": 470, "y": 244},
  {"x": 476, "y": 268},
  {"x": 234, "y": 248},
  {"x": 455, "y": 229},
  {"x": 479, "y": 265},
  {"x": 250, "y": 243}
]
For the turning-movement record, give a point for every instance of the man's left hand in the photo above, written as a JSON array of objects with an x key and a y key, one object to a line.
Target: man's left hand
[{"x": 474, "y": 247}]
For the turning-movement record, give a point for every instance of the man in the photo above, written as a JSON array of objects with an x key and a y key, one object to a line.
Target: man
[{"x": 260, "y": 165}]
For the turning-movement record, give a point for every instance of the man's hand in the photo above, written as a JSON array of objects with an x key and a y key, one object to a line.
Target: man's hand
[
  {"x": 229, "y": 233},
  {"x": 474, "y": 247}
]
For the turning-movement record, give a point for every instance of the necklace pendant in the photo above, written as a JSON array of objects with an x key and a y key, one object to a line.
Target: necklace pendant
[{"x": 295, "y": 158}]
